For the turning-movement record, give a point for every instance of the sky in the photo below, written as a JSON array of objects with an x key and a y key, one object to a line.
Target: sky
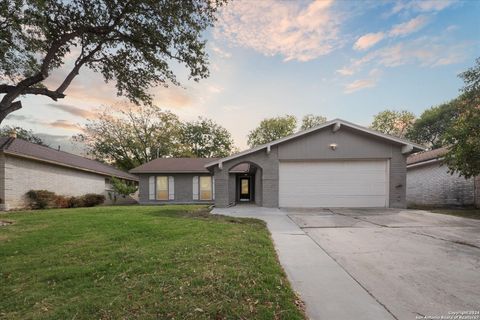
[{"x": 340, "y": 59}]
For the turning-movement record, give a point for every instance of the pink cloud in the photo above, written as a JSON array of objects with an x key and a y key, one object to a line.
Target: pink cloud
[
  {"x": 408, "y": 27},
  {"x": 368, "y": 40},
  {"x": 360, "y": 84},
  {"x": 281, "y": 28}
]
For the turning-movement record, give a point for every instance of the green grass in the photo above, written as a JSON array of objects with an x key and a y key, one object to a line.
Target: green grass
[
  {"x": 140, "y": 262},
  {"x": 464, "y": 212}
]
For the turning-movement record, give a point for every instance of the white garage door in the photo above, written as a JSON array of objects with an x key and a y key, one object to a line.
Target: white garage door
[{"x": 333, "y": 184}]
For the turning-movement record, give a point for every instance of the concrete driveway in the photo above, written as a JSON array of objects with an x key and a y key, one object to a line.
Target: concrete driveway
[{"x": 376, "y": 263}]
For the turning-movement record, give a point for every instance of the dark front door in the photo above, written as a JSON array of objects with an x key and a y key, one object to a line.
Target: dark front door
[{"x": 245, "y": 189}]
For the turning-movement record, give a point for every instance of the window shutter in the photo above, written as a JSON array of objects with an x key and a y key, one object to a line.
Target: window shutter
[
  {"x": 195, "y": 188},
  {"x": 151, "y": 188},
  {"x": 171, "y": 188},
  {"x": 213, "y": 188}
]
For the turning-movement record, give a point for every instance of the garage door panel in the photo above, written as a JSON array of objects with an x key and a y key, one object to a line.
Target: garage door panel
[{"x": 333, "y": 184}]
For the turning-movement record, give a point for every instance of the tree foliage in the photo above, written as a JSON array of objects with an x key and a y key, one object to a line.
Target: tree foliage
[
  {"x": 272, "y": 129},
  {"x": 22, "y": 133},
  {"x": 204, "y": 139},
  {"x": 310, "y": 121},
  {"x": 122, "y": 188},
  {"x": 432, "y": 124},
  {"x": 131, "y": 136},
  {"x": 463, "y": 136},
  {"x": 392, "y": 122},
  {"x": 132, "y": 43}
]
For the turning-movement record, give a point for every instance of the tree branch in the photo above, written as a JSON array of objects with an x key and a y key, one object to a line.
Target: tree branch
[{"x": 37, "y": 91}]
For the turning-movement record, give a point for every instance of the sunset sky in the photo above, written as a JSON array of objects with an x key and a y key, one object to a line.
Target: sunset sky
[{"x": 340, "y": 59}]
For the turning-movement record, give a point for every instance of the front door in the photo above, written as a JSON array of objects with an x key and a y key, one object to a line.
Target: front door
[{"x": 245, "y": 189}]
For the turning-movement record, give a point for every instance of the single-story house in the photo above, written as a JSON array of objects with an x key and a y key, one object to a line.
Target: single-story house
[
  {"x": 178, "y": 180},
  {"x": 429, "y": 184},
  {"x": 27, "y": 166},
  {"x": 335, "y": 164}
]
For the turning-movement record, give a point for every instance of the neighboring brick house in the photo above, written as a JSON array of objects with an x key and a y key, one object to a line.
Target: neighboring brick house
[
  {"x": 430, "y": 184},
  {"x": 27, "y": 166}
]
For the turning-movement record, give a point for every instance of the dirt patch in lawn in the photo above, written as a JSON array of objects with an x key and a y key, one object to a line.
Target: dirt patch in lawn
[{"x": 4, "y": 223}]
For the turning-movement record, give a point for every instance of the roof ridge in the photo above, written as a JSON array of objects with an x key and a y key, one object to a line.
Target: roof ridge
[{"x": 69, "y": 153}]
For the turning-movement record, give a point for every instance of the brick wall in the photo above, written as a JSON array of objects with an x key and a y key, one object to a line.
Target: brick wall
[
  {"x": 21, "y": 175},
  {"x": 432, "y": 185}
]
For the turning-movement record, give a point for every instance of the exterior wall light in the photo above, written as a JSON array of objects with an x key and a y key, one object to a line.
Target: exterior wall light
[{"x": 333, "y": 146}]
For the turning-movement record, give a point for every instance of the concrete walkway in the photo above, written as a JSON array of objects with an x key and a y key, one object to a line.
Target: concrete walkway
[{"x": 328, "y": 291}]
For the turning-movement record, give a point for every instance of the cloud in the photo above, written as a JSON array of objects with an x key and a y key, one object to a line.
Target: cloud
[
  {"x": 423, "y": 5},
  {"x": 402, "y": 29},
  {"x": 346, "y": 71},
  {"x": 172, "y": 97},
  {"x": 64, "y": 124},
  {"x": 368, "y": 40},
  {"x": 74, "y": 110},
  {"x": 220, "y": 52},
  {"x": 408, "y": 27},
  {"x": 360, "y": 84},
  {"x": 15, "y": 117},
  {"x": 369, "y": 82},
  {"x": 214, "y": 89},
  {"x": 424, "y": 51},
  {"x": 281, "y": 28}
]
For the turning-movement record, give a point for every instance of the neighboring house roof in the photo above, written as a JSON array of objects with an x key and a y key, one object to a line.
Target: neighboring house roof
[
  {"x": 180, "y": 165},
  {"x": 411, "y": 147},
  {"x": 425, "y": 156},
  {"x": 25, "y": 149}
]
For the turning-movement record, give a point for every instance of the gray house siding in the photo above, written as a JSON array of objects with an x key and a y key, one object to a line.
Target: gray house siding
[
  {"x": 351, "y": 144},
  {"x": 183, "y": 188},
  {"x": 430, "y": 184},
  {"x": 19, "y": 175},
  {"x": 266, "y": 179}
]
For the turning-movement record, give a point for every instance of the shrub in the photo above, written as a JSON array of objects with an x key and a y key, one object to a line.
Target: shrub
[
  {"x": 75, "y": 202},
  {"x": 92, "y": 199},
  {"x": 40, "y": 199},
  {"x": 61, "y": 202}
]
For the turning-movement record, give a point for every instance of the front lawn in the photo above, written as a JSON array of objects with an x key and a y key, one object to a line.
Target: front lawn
[{"x": 157, "y": 262}]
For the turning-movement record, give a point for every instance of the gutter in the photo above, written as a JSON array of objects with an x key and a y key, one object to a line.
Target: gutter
[{"x": 418, "y": 164}]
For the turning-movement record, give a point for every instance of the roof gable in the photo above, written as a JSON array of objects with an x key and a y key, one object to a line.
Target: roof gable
[{"x": 336, "y": 124}]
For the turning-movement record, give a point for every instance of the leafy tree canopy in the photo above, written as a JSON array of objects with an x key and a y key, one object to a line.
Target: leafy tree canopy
[
  {"x": 204, "y": 139},
  {"x": 130, "y": 42},
  {"x": 463, "y": 136},
  {"x": 22, "y": 133},
  {"x": 432, "y": 124},
  {"x": 131, "y": 136},
  {"x": 392, "y": 122},
  {"x": 310, "y": 121},
  {"x": 272, "y": 129}
]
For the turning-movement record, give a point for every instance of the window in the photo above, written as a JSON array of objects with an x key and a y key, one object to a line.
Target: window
[
  {"x": 162, "y": 188},
  {"x": 205, "y": 188}
]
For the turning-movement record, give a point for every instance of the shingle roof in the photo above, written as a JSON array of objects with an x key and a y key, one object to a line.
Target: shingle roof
[
  {"x": 181, "y": 165},
  {"x": 426, "y": 155},
  {"x": 22, "y": 148}
]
